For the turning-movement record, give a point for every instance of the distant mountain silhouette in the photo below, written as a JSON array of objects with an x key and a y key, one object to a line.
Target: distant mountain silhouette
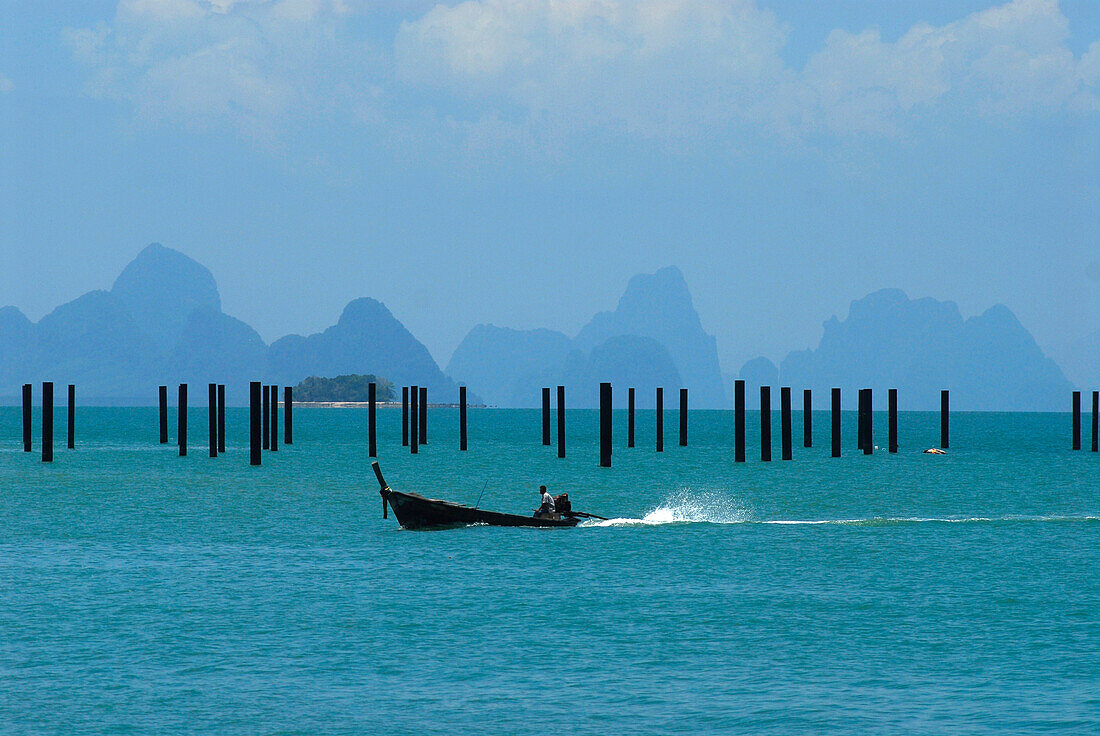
[
  {"x": 367, "y": 336},
  {"x": 989, "y": 362},
  {"x": 162, "y": 322},
  {"x": 625, "y": 361},
  {"x": 654, "y": 337},
  {"x": 756, "y": 373},
  {"x": 508, "y": 367},
  {"x": 659, "y": 306}
]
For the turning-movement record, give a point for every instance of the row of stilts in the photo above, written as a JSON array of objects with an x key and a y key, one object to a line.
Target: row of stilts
[
  {"x": 865, "y": 441},
  {"x": 264, "y": 420}
]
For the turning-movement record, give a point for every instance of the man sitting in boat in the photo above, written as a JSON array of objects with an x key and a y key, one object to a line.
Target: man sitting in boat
[{"x": 547, "y": 509}]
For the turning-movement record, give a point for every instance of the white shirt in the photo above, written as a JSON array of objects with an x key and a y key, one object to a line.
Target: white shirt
[{"x": 548, "y": 501}]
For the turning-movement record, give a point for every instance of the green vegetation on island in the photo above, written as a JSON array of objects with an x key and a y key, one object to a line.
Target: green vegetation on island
[{"x": 343, "y": 388}]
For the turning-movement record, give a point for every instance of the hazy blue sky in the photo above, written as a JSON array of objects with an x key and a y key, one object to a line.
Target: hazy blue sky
[{"x": 516, "y": 161}]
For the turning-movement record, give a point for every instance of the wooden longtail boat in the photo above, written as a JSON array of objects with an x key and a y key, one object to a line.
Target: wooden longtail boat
[{"x": 414, "y": 511}]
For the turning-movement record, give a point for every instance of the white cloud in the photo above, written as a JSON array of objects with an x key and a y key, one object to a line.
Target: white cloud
[
  {"x": 1007, "y": 60},
  {"x": 250, "y": 63},
  {"x": 687, "y": 72},
  {"x": 6, "y": 85},
  {"x": 652, "y": 68},
  {"x": 661, "y": 67}
]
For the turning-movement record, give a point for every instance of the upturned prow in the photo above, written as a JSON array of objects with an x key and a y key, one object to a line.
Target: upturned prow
[{"x": 383, "y": 488}]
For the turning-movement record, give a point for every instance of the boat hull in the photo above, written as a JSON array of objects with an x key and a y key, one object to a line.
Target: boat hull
[{"x": 414, "y": 511}]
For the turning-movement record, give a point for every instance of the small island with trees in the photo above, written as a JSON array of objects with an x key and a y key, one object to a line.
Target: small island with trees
[{"x": 343, "y": 389}]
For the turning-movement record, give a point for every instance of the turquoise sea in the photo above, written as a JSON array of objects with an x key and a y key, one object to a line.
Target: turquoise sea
[{"x": 144, "y": 593}]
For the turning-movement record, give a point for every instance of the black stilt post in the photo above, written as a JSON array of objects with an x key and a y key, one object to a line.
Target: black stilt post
[
  {"x": 836, "y": 421},
  {"x": 221, "y": 417},
  {"x": 274, "y": 418},
  {"x": 766, "y": 423},
  {"x": 630, "y": 417},
  {"x": 288, "y": 416},
  {"x": 739, "y": 421},
  {"x": 212, "y": 397},
  {"x": 71, "y": 434},
  {"x": 163, "y": 415},
  {"x": 861, "y": 418},
  {"x": 546, "y": 416},
  {"x": 27, "y": 391},
  {"x": 404, "y": 416},
  {"x": 255, "y": 423},
  {"x": 372, "y": 427},
  {"x": 785, "y": 421},
  {"x": 1096, "y": 421},
  {"x": 605, "y": 425},
  {"x": 561, "y": 421},
  {"x": 868, "y": 423},
  {"x": 462, "y": 418},
  {"x": 181, "y": 420},
  {"x": 683, "y": 417},
  {"x": 660, "y": 419},
  {"x": 807, "y": 418},
  {"x": 47, "y": 421},
  {"x": 1076, "y": 420},
  {"x": 267, "y": 417},
  {"x": 893, "y": 419},
  {"x": 414, "y": 420},
  {"x": 945, "y": 418},
  {"x": 423, "y": 415}
]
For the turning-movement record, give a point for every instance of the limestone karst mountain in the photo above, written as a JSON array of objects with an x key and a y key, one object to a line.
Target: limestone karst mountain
[
  {"x": 162, "y": 322},
  {"x": 653, "y": 337}
]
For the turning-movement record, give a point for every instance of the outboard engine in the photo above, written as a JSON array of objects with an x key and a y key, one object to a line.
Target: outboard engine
[{"x": 562, "y": 505}]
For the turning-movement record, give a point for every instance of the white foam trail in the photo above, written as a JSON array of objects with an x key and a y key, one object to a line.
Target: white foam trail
[{"x": 687, "y": 507}]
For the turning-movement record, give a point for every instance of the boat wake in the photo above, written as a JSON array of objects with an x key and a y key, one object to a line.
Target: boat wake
[{"x": 688, "y": 507}]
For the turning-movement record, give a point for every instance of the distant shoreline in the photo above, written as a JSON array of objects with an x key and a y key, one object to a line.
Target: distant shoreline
[{"x": 366, "y": 404}]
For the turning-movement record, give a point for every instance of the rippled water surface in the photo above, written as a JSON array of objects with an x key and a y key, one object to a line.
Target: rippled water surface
[{"x": 141, "y": 592}]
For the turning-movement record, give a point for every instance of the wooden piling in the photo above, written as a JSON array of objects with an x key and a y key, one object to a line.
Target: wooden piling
[
  {"x": 739, "y": 421},
  {"x": 181, "y": 420},
  {"x": 414, "y": 420},
  {"x": 267, "y": 417},
  {"x": 546, "y": 416},
  {"x": 660, "y": 419},
  {"x": 274, "y": 418},
  {"x": 836, "y": 422},
  {"x": 785, "y": 421},
  {"x": 605, "y": 425},
  {"x": 630, "y": 417},
  {"x": 27, "y": 390},
  {"x": 47, "y": 421},
  {"x": 945, "y": 419},
  {"x": 561, "y": 421},
  {"x": 255, "y": 423},
  {"x": 807, "y": 418},
  {"x": 372, "y": 427},
  {"x": 423, "y": 415},
  {"x": 861, "y": 418},
  {"x": 462, "y": 418},
  {"x": 893, "y": 419},
  {"x": 868, "y": 423},
  {"x": 163, "y": 415},
  {"x": 221, "y": 417},
  {"x": 404, "y": 416},
  {"x": 212, "y": 418},
  {"x": 1096, "y": 421},
  {"x": 288, "y": 416},
  {"x": 212, "y": 397},
  {"x": 1076, "y": 420},
  {"x": 71, "y": 433},
  {"x": 683, "y": 417},
  {"x": 766, "y": 423}
]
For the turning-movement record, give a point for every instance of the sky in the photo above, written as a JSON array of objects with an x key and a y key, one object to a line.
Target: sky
[{"x": 515, "y": 162}]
